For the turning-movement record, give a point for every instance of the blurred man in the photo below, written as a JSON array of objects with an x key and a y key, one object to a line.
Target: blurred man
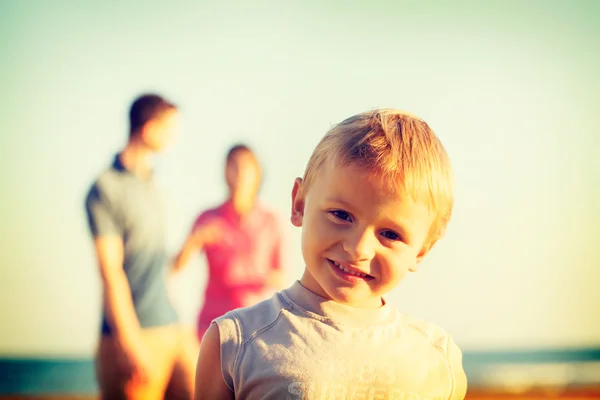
[
  {"x": 241, "y": 240},
  {"x": 142, "y": 351}
]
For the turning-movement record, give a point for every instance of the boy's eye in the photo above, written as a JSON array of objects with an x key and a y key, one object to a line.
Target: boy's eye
[
  {"x": 391, "y": 235},
  {"x": 340, "y": 214}
]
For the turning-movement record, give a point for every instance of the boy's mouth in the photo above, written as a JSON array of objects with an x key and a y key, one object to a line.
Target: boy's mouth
[{"x": 349, "y": 272}]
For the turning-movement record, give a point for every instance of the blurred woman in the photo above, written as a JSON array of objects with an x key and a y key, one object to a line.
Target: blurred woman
[{"x": 241, "y": 240}]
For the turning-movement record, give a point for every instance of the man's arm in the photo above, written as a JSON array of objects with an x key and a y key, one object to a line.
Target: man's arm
[{"x": 117, "y": 299}]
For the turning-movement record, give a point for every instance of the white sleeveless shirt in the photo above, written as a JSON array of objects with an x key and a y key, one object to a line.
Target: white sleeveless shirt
[{"x": 298, "y": 345}]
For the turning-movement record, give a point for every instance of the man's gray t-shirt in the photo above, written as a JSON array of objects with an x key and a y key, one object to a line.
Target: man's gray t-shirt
[{"x": 121, "y": 203}]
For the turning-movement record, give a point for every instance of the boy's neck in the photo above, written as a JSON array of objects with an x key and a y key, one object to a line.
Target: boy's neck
[{"x": 137, "y": 158}]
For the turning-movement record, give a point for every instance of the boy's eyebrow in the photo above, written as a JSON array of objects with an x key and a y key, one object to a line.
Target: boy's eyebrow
[{"x": 338, "y": 201}]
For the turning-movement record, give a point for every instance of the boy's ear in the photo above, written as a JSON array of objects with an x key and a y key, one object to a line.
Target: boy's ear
[
  {"x": 297, "y": 203},
  {"x": 424, "y": 251}
]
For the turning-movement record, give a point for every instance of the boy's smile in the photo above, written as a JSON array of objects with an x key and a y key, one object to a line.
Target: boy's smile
[
  {"x": 346, "y": 271},
  {"x": 359, "y": 236}
]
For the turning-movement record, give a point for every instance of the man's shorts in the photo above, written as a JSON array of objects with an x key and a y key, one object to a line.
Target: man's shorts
[{"x": 174, "y": 353}]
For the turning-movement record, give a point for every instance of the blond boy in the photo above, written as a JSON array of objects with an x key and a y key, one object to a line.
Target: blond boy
[{"x": 376, "y": 195}]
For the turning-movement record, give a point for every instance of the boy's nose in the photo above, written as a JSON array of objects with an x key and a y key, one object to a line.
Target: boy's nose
[{"x": 360, "y": 245}]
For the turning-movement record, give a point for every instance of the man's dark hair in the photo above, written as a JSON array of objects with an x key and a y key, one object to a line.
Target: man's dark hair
[{"x": 145, "y": 108}]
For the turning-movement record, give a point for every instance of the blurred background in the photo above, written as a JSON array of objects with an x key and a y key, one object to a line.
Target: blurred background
[{"x": 511, "y": 88}]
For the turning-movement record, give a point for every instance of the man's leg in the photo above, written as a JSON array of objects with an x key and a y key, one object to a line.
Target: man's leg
[
  {"x": 181, "y": 384},
  {"x": 116, "y": 383}
]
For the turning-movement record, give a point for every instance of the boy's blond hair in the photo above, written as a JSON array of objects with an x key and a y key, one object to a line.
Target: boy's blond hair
[{"x": 399, "y": 147}]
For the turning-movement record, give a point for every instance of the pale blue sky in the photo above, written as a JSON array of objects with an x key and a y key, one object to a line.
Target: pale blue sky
[{"x": 511, "y": 88}]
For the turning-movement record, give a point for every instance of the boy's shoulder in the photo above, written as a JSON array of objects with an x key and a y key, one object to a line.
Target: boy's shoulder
[
  {"x": 444, "y": 342},
  {"x": 433, "y": 333},
  {"x": 248, "y": 321}
]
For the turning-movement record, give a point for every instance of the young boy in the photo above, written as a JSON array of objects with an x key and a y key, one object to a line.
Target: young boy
[{"x": 376, "y": 195}]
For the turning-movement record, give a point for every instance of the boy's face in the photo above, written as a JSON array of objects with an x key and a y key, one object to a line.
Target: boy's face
[
  {"x": 359, "y": 238},
  {"x": 160, "y": 131}
]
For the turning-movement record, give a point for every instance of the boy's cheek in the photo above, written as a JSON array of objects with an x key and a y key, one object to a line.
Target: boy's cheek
[{"x": 315, "y": 227}]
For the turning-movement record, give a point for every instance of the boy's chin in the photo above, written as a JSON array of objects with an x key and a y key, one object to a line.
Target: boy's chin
[
  {"x": 328, "y": 287},
  {"x": 354, "y": 297}
]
